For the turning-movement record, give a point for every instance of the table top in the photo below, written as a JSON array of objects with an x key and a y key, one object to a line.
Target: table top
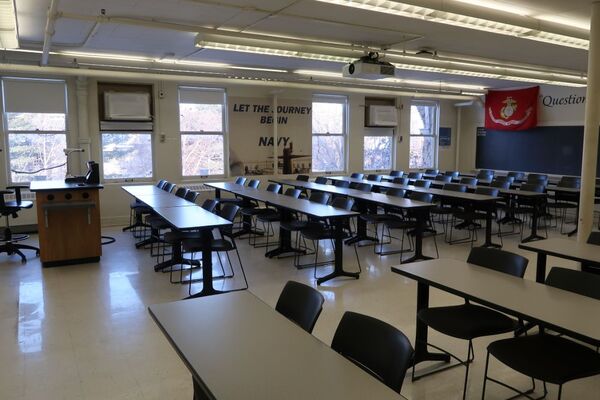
[
  {"x": 378, "y": 198},
  {"x": 160, "y": 200},
  {"x": 227, "y": 186},
  {"x": 41, "y": 186},
  {"x": 186, "y": 218},
  {"x": 238, "y": 347},
  {"x": 138, "y": 190},
  {"x": 302, "y": 206},
  {"x": 560, "y": 310},
  {"x": 565, "y": 248}
]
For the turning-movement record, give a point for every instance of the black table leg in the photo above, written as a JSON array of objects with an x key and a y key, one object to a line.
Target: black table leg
[
  {"x": 361, "y": 227},
  {"x": 176, "y": 259},
  {"x": 574, "y": 231},
  {"x": 285, "y": 238},
  {"x": 540, "y": 272},
  {"x": 421, "y": 352},
  {"x": 338, "y": 269},
  {"x": 534, "y": 226},
  {"x": 207, "y": 272},
  {"x": 488, "y": 229},
  {"x": 422, "y": 217}
]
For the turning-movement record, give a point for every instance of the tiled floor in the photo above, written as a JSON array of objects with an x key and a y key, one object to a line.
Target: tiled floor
[{"x": 83, "y": 331}]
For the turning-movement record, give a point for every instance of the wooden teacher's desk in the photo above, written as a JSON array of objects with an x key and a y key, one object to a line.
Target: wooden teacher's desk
[{"x": 68, "y": 222}]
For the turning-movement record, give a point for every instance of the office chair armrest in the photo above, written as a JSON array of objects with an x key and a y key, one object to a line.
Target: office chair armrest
[{"x": 17, "y": 189}]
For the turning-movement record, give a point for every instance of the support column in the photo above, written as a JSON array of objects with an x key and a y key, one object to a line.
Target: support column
[
  {"x": 592, "y": 124},
  {"x": 83, "y": 134},
  {"x": 275, "y": 137}
]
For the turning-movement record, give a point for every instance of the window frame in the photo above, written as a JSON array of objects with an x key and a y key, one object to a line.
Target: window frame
[
  {"x": 224, "y": 133},
  {"x": 378, "y": 132},
  {"x": 344, "y": 100},
  {"x": 435, "y": 130},
  {"x": 7, "y": 132},
  {"x": 130, "y": 179}
]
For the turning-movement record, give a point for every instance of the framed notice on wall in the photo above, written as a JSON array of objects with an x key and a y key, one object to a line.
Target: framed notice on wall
[{"x": 445, "y": 139}]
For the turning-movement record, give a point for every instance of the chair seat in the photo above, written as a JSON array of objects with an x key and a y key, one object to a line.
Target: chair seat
[
  {"x": 195, "y": 245},
  {"x": 467, "y": 321},
  {"x": 255, "y": 210},
  {"x": 272, "y": 216},
  {"x": 175, "y": 237},
  {"x": 395, "y": 222},
  {"x": 18, "y": 205},
  {"x": 321, "y": 233},
  {"x": 230, "y": 200},
  {"x": 374, "y": 218},
  {"x": 547, "y": 357},
  {"x": 294, "y": 225}
]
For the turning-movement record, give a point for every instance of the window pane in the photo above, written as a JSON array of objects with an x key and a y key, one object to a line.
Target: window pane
[
  {"x": 328, "y": 153},
  {"x": 30, "y": 152},
  {"x": 328, "y": 117},
  {"x": 422, "y": 119},
  {"x": 202, "y": 155},
  {"x": 200, "y": 117},
  {"x": 422, "y": 151},
  {"x": 127, "y": 155},
  {"x": 35, "y": 121},
  {"x": 377, "y": 152}
]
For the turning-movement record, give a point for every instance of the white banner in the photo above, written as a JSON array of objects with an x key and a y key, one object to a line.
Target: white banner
[{"x": 561, "y": 106}]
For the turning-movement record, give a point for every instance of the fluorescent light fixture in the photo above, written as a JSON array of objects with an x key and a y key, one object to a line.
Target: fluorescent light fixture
[
  {"x": 465, "y": 21},
  {"x": 311, "y": 72},
  {"x": 495, "y": 5},
  {"x": 272, "y": 51},
  {"x": 9, "y": 32},
  {"x": 472, "y": 94}
]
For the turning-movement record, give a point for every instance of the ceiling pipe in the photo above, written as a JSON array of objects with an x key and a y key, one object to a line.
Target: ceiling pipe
[
  {"x": 211, "y": 80},
  {"x": 49, "y": 31}
]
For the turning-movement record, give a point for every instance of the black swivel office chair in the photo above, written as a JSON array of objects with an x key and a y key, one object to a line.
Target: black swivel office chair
[
  {"x": 469, "y": 321},
  {"x": 375, "y": 346},
  {"x": 10, "y": 241},
  {"x": 546, "y": 357},
  {"x": 300, "y": 304}
]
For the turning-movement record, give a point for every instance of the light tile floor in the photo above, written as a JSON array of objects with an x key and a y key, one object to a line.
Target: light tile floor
[{"x": 83, "y": 331}]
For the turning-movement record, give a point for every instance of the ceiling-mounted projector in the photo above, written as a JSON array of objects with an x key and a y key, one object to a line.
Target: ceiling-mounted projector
[{"x": 369, "y": 67}]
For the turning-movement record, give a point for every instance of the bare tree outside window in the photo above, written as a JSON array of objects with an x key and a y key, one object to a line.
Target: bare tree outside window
[
  {"x": 329, "y": 129},
  {"x": 127, "y": 155},
  {"x": 423, "y": 135},
  {"x": 377, "y": 152}
]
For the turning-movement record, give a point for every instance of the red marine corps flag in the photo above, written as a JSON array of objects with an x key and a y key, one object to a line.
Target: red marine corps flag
[{"x": 511, "y": 110}]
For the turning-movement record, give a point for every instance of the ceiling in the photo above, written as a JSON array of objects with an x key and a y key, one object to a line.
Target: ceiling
[{"x": 307, "y": 19}]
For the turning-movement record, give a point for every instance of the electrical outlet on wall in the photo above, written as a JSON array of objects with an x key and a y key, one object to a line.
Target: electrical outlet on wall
[{"x": 162, "y": 138}]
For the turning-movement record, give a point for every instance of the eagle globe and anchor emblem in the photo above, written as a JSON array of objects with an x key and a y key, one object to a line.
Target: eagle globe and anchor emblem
[{"x": 508, "y": 111}]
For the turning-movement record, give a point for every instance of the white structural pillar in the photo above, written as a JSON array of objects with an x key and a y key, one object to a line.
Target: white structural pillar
[
  {"x": 275, "y": 136},
  {"x": 592, "y": 124}
]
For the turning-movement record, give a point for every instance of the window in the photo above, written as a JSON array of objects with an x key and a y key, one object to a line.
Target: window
[
  {"x": 423, "y": 135},
  {"x": 126, "y": 155},
  {"x": 329, "y": 125},
  {"x": 35, "y": 120},
  {"x": 202, "y": 127},
  {"x": 378, "y": 149}
]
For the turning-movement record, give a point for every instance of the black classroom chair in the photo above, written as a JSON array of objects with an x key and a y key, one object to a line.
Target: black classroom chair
[
  {"x": 9, "y": 209},
  {"x": 300, "y": 304}
]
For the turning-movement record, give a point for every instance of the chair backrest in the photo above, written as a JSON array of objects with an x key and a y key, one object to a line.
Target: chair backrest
[
  {"x": 319, "y": 197},
  {"x": 181, "y": 192},
  {"x": 486, "y": 174},
  {"x": 303, "y": 178},
  {"x": 254, "y": 183},
  {"x": 538, "y": 177},
  {"x": 432, "y": 171},
  {"x": 357, "y": 175},
  {"x": 516, "y": 175},
  {"x": 580, "y": 282},
  {"x": 376, "y": 346},
  {"x": 295, "y": 193},
  {"x": 488, "y": 191},
  {"x": 374, "y": 178},
  {"x": 321, "y": 180},
  {"x": 341, "y": 184},
  {"x": 240, "y": 180},
  {"x": 210, "y": 205},
  {"x": 418, "y": 196},
  {"x": 415, "y": 175},
  {"x": 500, "y": 184},
  {"x": 505, "y": 178},
  {"x": 594, "y": 238},
  {"x": 532, "y": 187},
  {"x": 498, "y": 260},
  {"x": 161, "y": 183},
  {"x": 229, "y": 211},
  {"x": 401, "y": 181},
  {"x": 274, "y": 187},
  {"x": 443, "y": 178},
  {"x": 569, "y": 182},
  {"x": 423, "y": 183},
  {"x": 396, "y": 192},
  {"x": 397, "y": 173},
  {"x": 345, "y": 203},
  {"x": 364, "y": 187},
  {"x": 453, "y": 174},
  {"x": 191, "y": 196},
  {"x": 455, "y": 187},
  {"x": 168, "y": 187},
  {"x": 468, "y": 181},
  {"x": 300, "y": 304}
]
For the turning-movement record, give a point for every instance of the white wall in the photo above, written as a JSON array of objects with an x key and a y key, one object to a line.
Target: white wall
[{"x": 114, "y": 201}]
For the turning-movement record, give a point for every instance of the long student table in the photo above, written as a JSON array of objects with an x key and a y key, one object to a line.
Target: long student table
[
  {"x": 466, "y": 198},
  {"x": 531, "y": 301},
  {"x": 237, "y": 347},
  {"x": 288, "y": 205},
  {"x": 421, "y": 210},
  {"x": 561, "y": 248}
]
